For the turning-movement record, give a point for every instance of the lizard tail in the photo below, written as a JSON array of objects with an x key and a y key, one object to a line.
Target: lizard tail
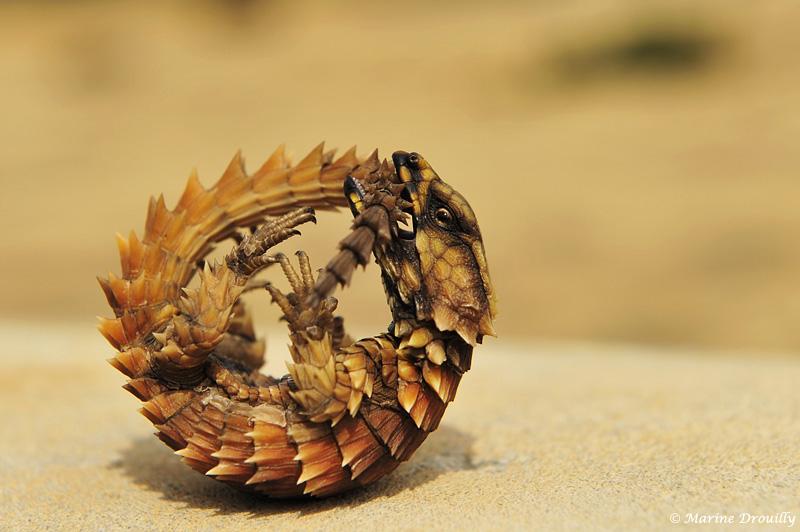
[{"x": 157, "y": 266}]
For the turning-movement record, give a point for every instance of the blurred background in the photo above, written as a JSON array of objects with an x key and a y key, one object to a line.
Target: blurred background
[{"x": 634, "y": 165}]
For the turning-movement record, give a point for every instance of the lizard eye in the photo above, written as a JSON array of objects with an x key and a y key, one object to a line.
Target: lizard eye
[
  {"x": 443, "y": 216},
  {"x": 413, "y": 159}
]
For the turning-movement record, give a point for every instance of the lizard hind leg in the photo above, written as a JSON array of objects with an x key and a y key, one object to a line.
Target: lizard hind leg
[{"x": 312, "y": 328}]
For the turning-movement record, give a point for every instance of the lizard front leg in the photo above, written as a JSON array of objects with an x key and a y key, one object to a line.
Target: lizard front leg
[{"x": 328, "y": 381}]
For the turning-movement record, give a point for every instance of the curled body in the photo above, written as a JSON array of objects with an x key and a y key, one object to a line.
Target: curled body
[{"x": 348, "y": 412}]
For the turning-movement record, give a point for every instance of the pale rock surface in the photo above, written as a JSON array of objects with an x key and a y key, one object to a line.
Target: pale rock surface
[{"x": 540, "y": 436}]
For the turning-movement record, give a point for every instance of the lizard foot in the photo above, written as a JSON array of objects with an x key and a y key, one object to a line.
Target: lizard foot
[
  {"x": 249, "y": 255},
  {"x": 303, "y": 315}
]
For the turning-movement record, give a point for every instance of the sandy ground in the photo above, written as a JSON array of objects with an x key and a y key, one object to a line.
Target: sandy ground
[{"x": 547, "y": 436}]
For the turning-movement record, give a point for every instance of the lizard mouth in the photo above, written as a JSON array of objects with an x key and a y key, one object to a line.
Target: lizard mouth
[
  {"x": 406, "y": 234},
  {"x": 406, "y": 164}
]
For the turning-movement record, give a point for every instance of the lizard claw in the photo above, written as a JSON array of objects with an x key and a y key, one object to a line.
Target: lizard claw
[
  {"x": 303, "y": 316},
  {"x": 249, "y": 255}
]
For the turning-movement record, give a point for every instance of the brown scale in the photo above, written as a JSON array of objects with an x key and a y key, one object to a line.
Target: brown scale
[{"x": 349, "y": 412}]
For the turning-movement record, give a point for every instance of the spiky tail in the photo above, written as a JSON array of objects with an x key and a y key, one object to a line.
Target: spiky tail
[{"x": 156, "y": 267}]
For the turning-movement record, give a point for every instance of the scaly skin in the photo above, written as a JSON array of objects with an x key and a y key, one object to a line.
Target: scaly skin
[{"x": 347, "y": 413}]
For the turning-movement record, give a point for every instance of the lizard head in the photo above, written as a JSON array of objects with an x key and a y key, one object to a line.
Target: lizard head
[{"x": 435, "y": 270}]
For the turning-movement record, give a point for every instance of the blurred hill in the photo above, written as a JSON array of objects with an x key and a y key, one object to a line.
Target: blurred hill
[{"x": 634, "y": 167}]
